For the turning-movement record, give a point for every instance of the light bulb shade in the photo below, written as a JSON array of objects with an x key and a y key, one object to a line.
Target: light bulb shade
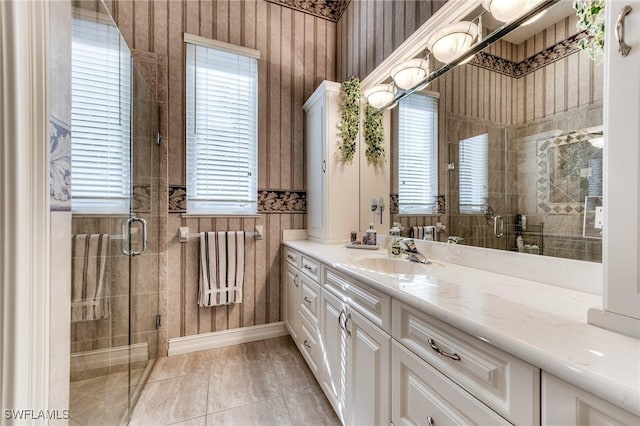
[
  {"x": 505, "y": 10},
  {"x": 409, "y": 73},
  {"x": 451, "y": 41},
  {"x": 380, "y": 95}
]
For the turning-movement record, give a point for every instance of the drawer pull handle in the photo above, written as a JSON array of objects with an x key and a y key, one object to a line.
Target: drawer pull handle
[
  {"x": 454, "y": 356},
  {"x": 430, "y": 421},
  {"x": 306, "y": 343},
  {"x": 340, "y": 320},
  {"x": 295, "y": 280},
  {"x": 290, "y": 256},
  {"x": 346, "y": 321},
  {"x": 309, "y": 267},
  {"x": 306, "y": 299}
]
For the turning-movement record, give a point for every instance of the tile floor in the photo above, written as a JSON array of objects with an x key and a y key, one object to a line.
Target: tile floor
[{"x": 260, "y": 383}]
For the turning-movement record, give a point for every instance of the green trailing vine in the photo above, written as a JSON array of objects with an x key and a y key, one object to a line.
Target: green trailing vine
[
  {"x": 591, "y": 20},
  {"x": 350, "y": 121},
  {"x": 374, "y": 136}
]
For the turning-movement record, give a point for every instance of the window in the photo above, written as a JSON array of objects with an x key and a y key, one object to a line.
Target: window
[
  {"x": 222, "y": 141},
  {"x": 473, "y": 177},
  {"x": 418, "y": 154},
  {"x": 100, "y": 119}
]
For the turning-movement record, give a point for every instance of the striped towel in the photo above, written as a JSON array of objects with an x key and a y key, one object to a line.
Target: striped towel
[
  {"x": 221, "y": 268},
  {"x": 89, "y": 289},
  {"x": 423, "y": 233}
]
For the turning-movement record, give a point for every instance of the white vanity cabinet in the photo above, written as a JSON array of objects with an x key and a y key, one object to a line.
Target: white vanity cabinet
[
  {"x": 565, "y": 404},
  {"x": 332, "y": 187},
  {"x": 292, "y": 301}
]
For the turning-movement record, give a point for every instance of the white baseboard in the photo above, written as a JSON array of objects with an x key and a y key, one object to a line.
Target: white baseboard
[
  {"x": 102, "y": 358},
  {"x": 217, "y": 339}
]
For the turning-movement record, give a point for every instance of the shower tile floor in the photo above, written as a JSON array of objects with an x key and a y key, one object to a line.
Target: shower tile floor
[{"x": 259, "y": 383}]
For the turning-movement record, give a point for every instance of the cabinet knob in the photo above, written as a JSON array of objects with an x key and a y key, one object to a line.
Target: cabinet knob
[{"x": 307, "y": 300}]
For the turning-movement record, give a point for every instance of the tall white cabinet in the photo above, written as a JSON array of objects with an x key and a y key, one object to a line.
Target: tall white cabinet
[{"x": 332, "y": 187}]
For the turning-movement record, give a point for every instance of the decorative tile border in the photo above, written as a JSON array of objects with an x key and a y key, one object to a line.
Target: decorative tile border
[
  {"x": 142, "y": 198},
  {"x": 269, "y": 200},
  {"x": 547, "y": 56},
  {"x": 440, "y": 204},
  {"x": 177, "y": 199},
  {"x": 59, "y": 165},
  {"x": 331, "y": 10},
  {"x": 277, "y": 201}
]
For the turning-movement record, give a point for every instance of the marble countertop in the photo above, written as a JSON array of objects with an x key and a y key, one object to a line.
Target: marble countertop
[{"x": 542, "y": 324}]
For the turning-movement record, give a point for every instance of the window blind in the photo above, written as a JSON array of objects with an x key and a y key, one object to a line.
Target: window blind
[
  {"x": 222, "y": 141},
  {"x": 100, "y": 119},
  {"x": 473, "y": 174},
  {"x": 418, "y": 154}
]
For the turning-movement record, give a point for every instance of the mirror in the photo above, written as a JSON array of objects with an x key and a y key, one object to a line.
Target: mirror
[{"x": 519, "y": 145}]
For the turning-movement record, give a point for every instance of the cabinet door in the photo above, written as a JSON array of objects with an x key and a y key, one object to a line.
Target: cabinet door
[
  {"x": 369, "y": 377},
  {"x": 334, "y": 346},
  {"x": 292, "y": 302},
  {"x": 565, "y": 404}
]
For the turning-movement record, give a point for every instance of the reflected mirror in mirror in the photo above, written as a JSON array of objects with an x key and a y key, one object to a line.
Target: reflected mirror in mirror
[{"x": 515, "y": 140}]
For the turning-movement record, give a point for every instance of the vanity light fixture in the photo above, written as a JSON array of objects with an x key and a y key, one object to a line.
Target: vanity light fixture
[
  {"x": 409, "y": 73},
  {"x": 506, "y": 10},
  {"x": 451, "y": 41},
  {"x": 380, "y": 95}
]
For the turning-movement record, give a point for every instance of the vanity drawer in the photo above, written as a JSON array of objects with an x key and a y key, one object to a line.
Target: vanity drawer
[
  {"x": 292, "y": 257},
  {"x": 507, "y": 384},
  {"x": 310, "y": 300},
  {"x": 372, "y": 304},
  {"x": 310, "y": 266},
  {"x": 309, "y": 346},
  {"x": 423, "y": 396}
]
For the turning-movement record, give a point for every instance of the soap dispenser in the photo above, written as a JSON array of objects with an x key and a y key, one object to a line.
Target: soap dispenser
[
  {"x": 370, "y": 236},
  {"x": 395, "y": 250}
]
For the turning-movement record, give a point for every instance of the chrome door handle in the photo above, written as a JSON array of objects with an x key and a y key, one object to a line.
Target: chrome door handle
[
  {"x": 309, "y": 267},
  {"x": 324, "y": 166},
  {"x": 295, "y": 280},
  {"x": 290, "y": 256},
  {"x": 496, "y": 233},
  {"x": 454, "y": 356},
  {"x": 306, "y": 343},
  {"x": 126, "y": 242},
  {"x": 430, "y": 421},
  {"x": 340, "y": 320},
  {"x": 346, "y": 321},
  {"x": 623, "y": 47},
  {"x": 306, "y": 299}
]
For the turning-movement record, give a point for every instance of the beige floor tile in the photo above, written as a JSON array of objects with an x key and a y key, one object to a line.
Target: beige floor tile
[
  {"x": 291, "y": 369},
  {"x": 198, "y": 421},
  {"x": 241, "y": 384},
  {"x": 262, "y": 413},
  {"x": 310, "y": 407},
  {"x": 239, "y": 354},
  {"x": 172, "y": 400},
  {"x": 181, "y": 365},
  {"x": 108, "y": 410}
]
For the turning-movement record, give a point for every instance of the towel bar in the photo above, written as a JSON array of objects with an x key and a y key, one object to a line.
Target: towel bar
[{"x": 184, "y": 235}]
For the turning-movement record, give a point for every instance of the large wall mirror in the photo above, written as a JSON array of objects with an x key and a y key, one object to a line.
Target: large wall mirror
[{"x": 505, "y": 151}]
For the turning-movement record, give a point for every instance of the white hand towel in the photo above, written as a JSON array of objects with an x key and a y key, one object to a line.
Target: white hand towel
[
  {"x": 429, "y": 233},
  {"x": 221, "y": 268},
  {"x": 89, "y": 289}
]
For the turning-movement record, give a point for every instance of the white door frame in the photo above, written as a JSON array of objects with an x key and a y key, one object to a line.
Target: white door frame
[{"x": 24, "y": 208}]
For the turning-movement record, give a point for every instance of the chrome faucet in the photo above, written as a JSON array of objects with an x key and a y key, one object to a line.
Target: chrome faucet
[
  {"x": 412, "y": 252},
  {"x": 454, "y": 240}
]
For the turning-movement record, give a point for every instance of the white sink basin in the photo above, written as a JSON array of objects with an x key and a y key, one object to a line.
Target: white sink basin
[{"x": 392, "y": 266}]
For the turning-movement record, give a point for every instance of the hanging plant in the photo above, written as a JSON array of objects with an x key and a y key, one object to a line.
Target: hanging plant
[
  {"x": 374, "y": 136},
  {"x": 350, "y": 121},
  {"x": 591, "y": 20}
]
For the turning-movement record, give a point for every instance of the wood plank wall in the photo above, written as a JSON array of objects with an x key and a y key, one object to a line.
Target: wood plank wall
[
  {"x": 298, "y": 51},
  {"x": 369, "y": 30}
]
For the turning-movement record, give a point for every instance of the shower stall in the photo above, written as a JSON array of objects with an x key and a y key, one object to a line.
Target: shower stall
[{"x": 116, "y": 187}]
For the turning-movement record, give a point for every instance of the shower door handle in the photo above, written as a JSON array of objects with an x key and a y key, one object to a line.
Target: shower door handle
[
  {"x": 500, "y": 233},
  {"x": 126, "y": 244}
]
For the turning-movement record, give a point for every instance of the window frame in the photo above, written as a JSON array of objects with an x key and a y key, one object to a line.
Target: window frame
[
  {"x": 430, "y": 207},
  {"x": 195, "y": 207}
]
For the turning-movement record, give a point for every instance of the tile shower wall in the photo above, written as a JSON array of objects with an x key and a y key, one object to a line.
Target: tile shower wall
[{"x": 297, "y": 53}]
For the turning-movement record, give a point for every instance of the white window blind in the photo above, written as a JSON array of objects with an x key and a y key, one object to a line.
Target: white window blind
[
  {"x": 418, "y": 154},
  {"x": 100, "y": 119},
  {"x": 473, "y": 174},
  {"x": 222, "y": 141}
]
